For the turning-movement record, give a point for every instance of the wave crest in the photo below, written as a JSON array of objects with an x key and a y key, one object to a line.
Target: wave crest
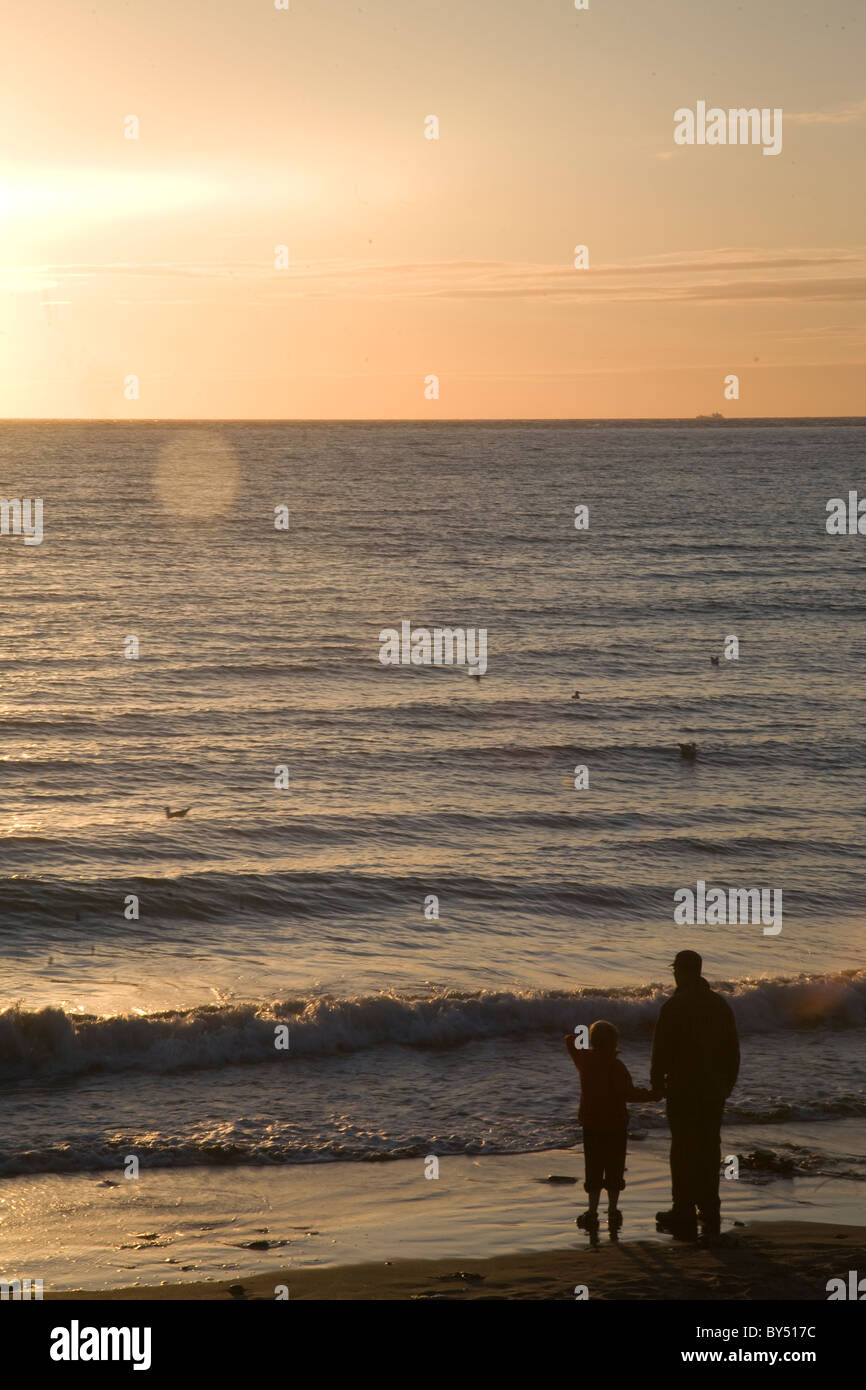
[{"x": 50, "y": 1042}]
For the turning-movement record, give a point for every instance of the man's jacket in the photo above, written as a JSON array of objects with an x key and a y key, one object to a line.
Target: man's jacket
[{"x": 695, "y": 1047}]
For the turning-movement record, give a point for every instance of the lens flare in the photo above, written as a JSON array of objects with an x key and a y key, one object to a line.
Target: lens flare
[{"x": 197, "y": 476}]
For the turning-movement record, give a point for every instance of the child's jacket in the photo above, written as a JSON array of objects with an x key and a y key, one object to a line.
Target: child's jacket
[{"x": 605, "y": 1087}]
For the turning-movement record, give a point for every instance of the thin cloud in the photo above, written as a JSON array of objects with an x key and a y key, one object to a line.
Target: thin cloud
[{"x": 855, "y": 111}]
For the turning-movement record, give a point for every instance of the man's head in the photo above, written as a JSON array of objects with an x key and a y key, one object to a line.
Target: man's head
[{"x": 687, "y": 967}]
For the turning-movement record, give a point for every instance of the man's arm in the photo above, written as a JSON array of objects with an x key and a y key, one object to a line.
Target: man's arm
[
  {"x": 660, "y": 1054},
  {"x": 731, "y": 1044}
]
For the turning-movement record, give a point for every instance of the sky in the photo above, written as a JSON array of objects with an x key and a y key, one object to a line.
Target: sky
[{"x": 139, "y": 278}]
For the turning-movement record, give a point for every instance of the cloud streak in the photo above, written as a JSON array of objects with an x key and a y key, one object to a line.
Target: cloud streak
[{"x": 721, "y": 275}]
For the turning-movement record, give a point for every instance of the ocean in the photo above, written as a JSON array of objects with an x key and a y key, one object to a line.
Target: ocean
[{"x": 308, "y": 905}]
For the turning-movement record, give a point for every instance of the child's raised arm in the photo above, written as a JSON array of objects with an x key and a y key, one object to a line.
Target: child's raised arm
[{"x": 573, "y": 1050}]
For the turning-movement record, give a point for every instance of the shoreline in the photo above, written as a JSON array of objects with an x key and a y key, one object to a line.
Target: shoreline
[{"x": 780, "y": 1261}]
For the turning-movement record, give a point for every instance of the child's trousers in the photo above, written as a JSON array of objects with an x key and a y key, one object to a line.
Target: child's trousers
[{"x": 604, "y": 1159}]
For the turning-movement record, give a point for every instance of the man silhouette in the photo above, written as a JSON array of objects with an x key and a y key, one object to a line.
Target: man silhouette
[{"x": 695, "y": 1061}]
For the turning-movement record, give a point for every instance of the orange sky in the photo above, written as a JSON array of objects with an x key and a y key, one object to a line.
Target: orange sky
[{"x": 411, "y": 257}]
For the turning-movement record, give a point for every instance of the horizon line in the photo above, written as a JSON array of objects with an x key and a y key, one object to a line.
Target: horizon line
[{"x": 422, "y": 420}]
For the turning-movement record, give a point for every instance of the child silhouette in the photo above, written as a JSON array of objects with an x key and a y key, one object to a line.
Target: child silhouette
[{"x": 605, "y": 1088}]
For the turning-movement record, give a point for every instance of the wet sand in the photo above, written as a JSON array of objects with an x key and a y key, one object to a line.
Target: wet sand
[
  {"x": 358, "y": 1230},
  {"x": 785, "y": 1260}
]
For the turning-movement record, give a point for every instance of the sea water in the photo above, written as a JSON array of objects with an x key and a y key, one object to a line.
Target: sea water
[{"x": 428, "y": 895}]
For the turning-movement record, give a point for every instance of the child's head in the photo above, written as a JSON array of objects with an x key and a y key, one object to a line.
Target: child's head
[{"x": 603, "y": 1036}]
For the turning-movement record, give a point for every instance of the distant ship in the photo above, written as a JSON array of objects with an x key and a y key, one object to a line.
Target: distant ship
[{"x": 716, "y": 415}]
